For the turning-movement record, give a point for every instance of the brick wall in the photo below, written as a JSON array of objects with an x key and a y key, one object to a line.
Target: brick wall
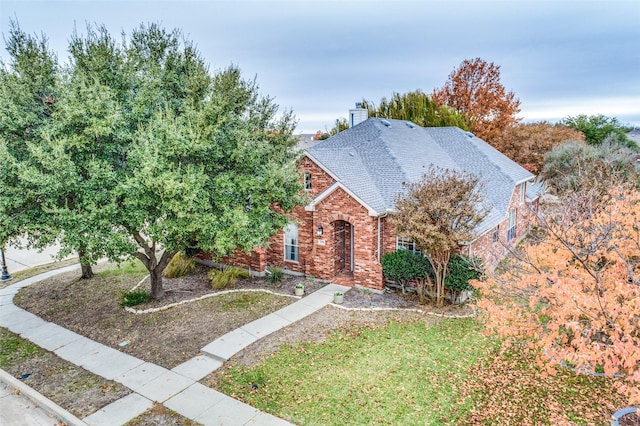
[
  {"x": 320, "y": 180},
  {"x": 275, "y": 253},
  {"x": 493, "y": 251},
  {"x": 321, "y": 257},
  {"x": 337, "y": 208},
  {"x": 484, "y": 247},
  {"x": 254, "y": 262}
]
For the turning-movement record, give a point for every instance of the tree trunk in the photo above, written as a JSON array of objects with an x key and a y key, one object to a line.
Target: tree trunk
[
  {"x": 87, "y": 272},
  {"x": 85, "y": 265},
  {"x": 157, "y": 291},
  {"x": 154, "y": 265}
]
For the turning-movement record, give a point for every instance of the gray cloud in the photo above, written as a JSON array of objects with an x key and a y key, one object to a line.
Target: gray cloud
[{"x": 318, "y": 57}]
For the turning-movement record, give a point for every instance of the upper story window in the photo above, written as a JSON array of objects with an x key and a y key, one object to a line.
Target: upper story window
[
  {"x": 307, "y": 181},
  {"x": 404, "y": 244},
  {"x": 511, "y": 232},
  {"x": 291, "y": 242},
  {"x": 523, "y": 188}
]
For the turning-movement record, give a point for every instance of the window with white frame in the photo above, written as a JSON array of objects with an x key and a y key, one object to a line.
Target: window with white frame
[
  {"x": 291, "y": 242},
  {"x": 307, "y": 181},
  {"x": 405, "y": 244},
  {"x": 511, "y": 232},
  {"x": 523, "y": 187}
]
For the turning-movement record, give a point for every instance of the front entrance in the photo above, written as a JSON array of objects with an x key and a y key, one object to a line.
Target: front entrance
[{"x": 343, "y": 240}]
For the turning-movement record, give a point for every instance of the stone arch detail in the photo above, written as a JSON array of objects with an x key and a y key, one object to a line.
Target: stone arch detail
[
  {"x": 343, "y": 246},
  {"x": 343, "y": 217}
]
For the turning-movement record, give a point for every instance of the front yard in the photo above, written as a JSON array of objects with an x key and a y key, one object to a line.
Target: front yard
[
  {"x": 333, "y": 367},
  {"x": 167, "y": 338},
  {"x": 413, "y": 373}
]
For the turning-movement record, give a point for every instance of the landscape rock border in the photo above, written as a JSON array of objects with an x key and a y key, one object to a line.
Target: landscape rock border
[
  {"x": 220, "y": 293},
  {"x": 615, "y": 417}
]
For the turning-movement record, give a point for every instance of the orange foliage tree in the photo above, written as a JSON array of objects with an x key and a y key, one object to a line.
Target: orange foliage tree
[
  {"x": 527, "y": 144},
  {"x": 475, "y": 90},
  {"x": 575, "y": 291}
]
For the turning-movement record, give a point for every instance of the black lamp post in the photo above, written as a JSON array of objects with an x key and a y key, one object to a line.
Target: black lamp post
[{"x": 5, "y": 274}]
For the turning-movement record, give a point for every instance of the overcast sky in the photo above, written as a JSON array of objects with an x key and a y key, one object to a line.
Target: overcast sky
[{"x": 317, "y": 58}]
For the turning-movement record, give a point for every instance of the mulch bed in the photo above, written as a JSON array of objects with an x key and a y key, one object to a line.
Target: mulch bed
[
  {"x": 632, "y": 419},
  {"x": 167, "y": 338}
]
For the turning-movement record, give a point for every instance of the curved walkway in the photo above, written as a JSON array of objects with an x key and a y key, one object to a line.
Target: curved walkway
[{"x": 178, "y": 388}]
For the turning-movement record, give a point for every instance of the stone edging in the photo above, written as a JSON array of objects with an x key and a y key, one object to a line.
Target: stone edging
[
  {"x": 622, "y": 412},
  {"x": 435, "y": 314},
  {"x": 206, "y": 296},
  {"x": 40, "y": 400}
]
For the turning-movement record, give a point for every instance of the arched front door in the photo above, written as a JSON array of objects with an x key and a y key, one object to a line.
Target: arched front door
[{"x": 343, "y": 245}]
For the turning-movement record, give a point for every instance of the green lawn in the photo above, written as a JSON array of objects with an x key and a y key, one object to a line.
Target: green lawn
[
  {"x": 415, "y": 374},
  {"x": 405, "y": 374}
]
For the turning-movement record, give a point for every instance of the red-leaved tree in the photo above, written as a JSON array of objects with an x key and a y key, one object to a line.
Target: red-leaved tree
[{"x": 474, "y": 89}]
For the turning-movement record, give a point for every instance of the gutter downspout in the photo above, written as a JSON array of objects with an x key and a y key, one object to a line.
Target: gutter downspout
[{"x": 385, "y": 214}]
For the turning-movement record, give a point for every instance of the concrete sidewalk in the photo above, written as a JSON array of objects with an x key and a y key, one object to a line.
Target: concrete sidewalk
[{"x": 178, "y": 389}]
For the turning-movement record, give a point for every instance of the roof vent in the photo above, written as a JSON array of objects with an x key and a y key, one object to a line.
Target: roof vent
[
  {"x": 386, "y": 123},
  {"x": 410, "y": 124},
  {"x": 469, "y": 134}
]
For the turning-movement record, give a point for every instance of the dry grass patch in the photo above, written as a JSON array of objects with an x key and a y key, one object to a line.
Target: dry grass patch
[
  {"x": 167, "y": 338},
  {"x": 68, "y": 385},
  {"x": 159, "y": 415}
]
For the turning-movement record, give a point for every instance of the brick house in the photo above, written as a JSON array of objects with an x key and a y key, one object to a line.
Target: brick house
[{"x": 353, "y": 179}]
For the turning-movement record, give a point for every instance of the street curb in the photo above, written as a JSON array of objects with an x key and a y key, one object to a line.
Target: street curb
[{"x": 41, "y": 400}]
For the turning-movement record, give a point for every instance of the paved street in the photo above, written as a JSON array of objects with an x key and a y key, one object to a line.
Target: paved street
[
  {"x": 19, "y": 258},
  {"x": 17, "y": 410}
]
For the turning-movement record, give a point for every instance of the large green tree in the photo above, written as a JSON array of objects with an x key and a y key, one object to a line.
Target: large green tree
[
  {"x": 597, "y": 128},
  {"x": 417, "y": 107},
  {"x": 148, "y": 153}
]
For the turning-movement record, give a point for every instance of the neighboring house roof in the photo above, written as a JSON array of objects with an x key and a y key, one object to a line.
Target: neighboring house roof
[
  {"x": 634, "y": 135},
  {"x": 306, "y": 141},
  {"x": 374, "y": 158}
]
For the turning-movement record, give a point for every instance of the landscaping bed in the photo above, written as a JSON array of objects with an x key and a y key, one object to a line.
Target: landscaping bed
[{"x": 167, "y": 338}]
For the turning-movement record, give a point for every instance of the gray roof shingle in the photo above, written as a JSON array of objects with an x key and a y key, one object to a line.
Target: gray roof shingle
[{"x": 374, "y": 158}]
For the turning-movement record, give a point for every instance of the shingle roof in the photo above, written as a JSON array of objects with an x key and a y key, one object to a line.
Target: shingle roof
[{"x": 374, "y": 158}]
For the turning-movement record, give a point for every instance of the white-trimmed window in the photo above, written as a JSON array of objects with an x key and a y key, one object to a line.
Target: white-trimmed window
[
  {"x": 307, "y": 181},
  {"x": 291, "y": 242},
  {"x": 523, "y": 188},
  {"x": 511, "y": 232},
  {"x": 496, "y": 234},
  {"x": 405, "y": 244}
]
